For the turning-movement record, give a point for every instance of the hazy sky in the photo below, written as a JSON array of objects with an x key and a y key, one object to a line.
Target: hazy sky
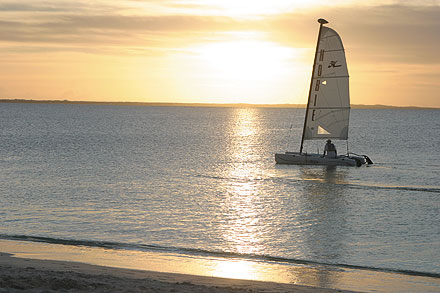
[{"x": 215, "y": 51}]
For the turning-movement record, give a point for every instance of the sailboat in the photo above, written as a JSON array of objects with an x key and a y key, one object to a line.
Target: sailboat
[{"x": 328, "y": 105}]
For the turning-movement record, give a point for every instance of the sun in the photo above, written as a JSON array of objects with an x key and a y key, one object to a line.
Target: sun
[
  {"x": 238, "y": 67},
  {"x": 245, "y": 60},
  {"x": 249, "y": 69}
]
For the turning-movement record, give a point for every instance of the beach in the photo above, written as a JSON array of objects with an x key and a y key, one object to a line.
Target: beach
[
  {"x": 27, "y": 266},
  {"x": 33, "y": 275}
]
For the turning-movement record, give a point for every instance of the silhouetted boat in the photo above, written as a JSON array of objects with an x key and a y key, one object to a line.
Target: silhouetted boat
[{"x": 328, "y": 105}]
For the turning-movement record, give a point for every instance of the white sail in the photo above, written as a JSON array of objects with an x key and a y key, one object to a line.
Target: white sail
[
  {"x": 329, "y": 102},
  {"x": 328, "y": 106}
]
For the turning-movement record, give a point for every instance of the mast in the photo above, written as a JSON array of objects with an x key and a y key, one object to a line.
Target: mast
[{"x": 321, "y": 21}]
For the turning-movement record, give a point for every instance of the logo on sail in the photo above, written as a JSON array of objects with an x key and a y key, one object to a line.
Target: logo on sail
[{"x": 333, "y": 64}]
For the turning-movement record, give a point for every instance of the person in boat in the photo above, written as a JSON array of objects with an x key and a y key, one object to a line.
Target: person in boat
[{"x": 330, "y": 150}]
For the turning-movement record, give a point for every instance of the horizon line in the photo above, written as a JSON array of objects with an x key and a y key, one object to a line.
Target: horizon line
[{"x": 188, "y": 104}]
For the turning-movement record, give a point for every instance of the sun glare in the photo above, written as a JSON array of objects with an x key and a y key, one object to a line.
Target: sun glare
[
  {"x": 236, "y": 269},
  {"x": 252, "y": 8},
  {"x": 246, "y": 60},
  {"x": 247, "y": 68}
]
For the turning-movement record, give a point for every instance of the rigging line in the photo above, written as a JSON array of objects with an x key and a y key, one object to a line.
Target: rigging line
[{"x": 287, "y": 136}]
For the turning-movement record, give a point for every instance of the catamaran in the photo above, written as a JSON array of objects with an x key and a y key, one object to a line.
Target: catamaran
[{"x": 328, "y": 105}]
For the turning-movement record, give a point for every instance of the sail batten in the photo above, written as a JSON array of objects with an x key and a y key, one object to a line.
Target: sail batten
[
  {"x": 328, "y": 109},
  {"x": 321, "y": 77},
  {"x": 337, "y": 50}
]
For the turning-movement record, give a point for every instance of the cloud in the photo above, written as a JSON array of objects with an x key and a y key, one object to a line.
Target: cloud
[
  {"x": 390, "y": 33},
  {"x": 164, "y": 23},
  {"x": 115, "y": 30},
  {"x": 20, "y": 7},
  {"x": 37, "y": 7},
  {"x": 393, "y": 33}
]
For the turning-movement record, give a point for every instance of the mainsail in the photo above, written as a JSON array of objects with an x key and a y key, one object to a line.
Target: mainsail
[
  {"x": 328, "y": 105},
  {"x": 328, "y": 108}
]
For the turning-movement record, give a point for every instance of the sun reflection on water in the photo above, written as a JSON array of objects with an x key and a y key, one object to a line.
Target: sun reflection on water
[
  {"x": 243, "y": 229},
  {"x": 237, "y": 269}
]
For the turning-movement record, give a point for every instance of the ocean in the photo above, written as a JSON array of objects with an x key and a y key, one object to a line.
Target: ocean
[{"x": 202, "y": 182}]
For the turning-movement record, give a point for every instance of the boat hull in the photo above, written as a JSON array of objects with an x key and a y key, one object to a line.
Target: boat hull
[{"x": 293, "y": 158}]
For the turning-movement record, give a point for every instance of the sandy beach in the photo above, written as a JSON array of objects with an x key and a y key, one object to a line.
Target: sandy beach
[
  {"x": 32, "y": 275},
  {"x": 42, "y": 267}
]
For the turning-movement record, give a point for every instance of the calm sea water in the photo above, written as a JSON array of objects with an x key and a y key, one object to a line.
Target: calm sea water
[{"x": 203, "y": 180}]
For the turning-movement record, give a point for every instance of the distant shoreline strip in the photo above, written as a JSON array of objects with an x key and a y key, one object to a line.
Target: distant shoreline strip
[{"x": 214, "y": 105}]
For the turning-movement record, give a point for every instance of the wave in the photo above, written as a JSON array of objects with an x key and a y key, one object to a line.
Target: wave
[
  {"x": 403, "y": 188},
  {"x": 208, "y": 253},
  {"x": 365, "y": 185},
  {"x": 356, "y": 185}
]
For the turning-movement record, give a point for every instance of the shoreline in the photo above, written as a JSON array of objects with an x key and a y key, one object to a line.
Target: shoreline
[
  {"x": 213, "y": 105},
  {"x": 35, "y": 275},
  {"x": 43, "y": 266}
]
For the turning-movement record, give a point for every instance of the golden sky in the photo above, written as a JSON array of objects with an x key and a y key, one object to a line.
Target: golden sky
[{"x": 215, "y": 51}]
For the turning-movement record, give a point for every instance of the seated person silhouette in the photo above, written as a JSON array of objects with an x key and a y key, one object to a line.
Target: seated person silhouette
[{"x": 330, "y": 150}]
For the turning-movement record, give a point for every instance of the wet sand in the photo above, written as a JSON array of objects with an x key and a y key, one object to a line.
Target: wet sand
[
  {"x": 27, "y": 266},
  {"x": 33, "y": 275}
]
